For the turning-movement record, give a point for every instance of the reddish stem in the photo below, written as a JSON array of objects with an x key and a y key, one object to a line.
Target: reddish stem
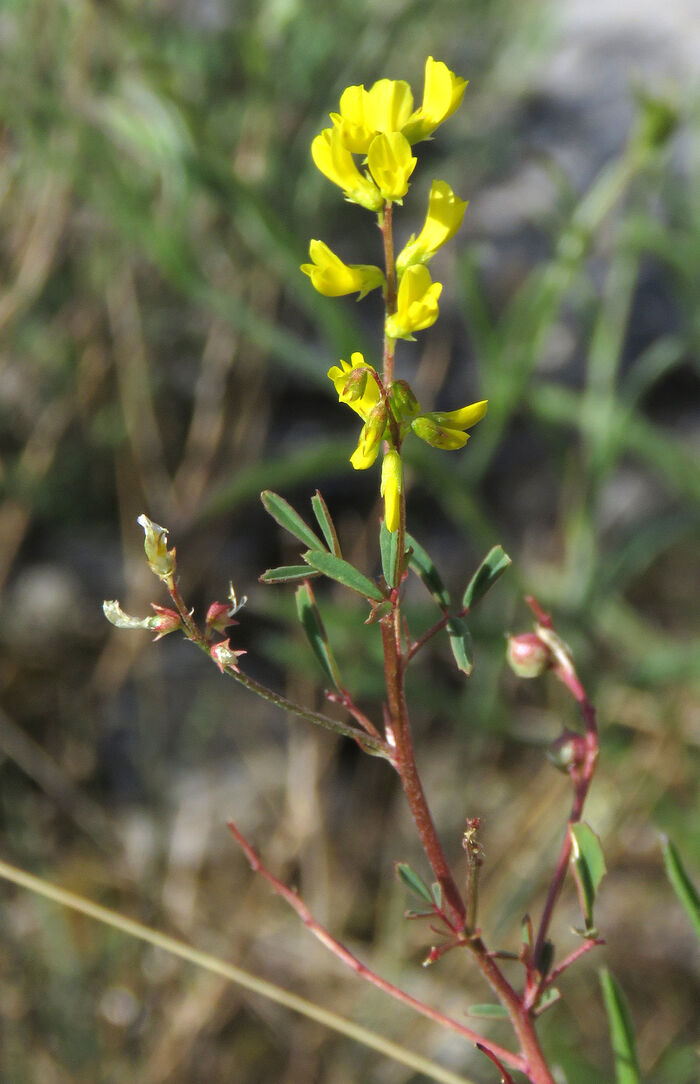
[
  {"x": 581, "y": 776},
  {"x": 359, "y": 968}
]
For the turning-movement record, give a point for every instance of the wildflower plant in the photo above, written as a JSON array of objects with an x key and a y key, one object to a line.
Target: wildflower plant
[{"x": 370, "y": 151}]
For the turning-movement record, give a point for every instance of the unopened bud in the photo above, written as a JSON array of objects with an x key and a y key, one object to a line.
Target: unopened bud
[
  {"x": 355, "y": 385},
  {"x": 403, "y": 401},
  {"x": 220, "y": 616},
  {"x": 161, "y": 560},
  {"x": 527, "y": 655},
  {"x": 224, "y": 656},
  {"x": 373, "y": 431},
  {"x": 165, "y": 621},
  {"x": 568, "y": 751}
]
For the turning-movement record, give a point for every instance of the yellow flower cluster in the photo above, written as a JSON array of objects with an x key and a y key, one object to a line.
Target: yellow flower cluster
[
  {"x": 381, "y": 125},
  {"x": 391, "y": 419}
]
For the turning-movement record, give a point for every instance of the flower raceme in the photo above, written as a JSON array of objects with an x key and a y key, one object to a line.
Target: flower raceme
[
  {"x": 333, "y": 278},
  {"x": 381, "y": 125}
]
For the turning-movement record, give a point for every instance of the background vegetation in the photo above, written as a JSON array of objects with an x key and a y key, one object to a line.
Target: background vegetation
[{"x": 161, "y": 353}]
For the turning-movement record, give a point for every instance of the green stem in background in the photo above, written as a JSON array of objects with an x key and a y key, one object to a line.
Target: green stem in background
[{"x": 234, "y": 974}]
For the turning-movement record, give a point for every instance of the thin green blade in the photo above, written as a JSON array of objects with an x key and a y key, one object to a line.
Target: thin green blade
[
  {"x": 621, "y": 1030},
  {"x": 313, "y": 626},
  {"x": 461, "y": 644},
  {"x": 286, "y": 573},
  {"x": 325, "y": 522},
  {"x": 343, "y": 572},
  {"x": 681, "y": 883},
  {"x": 283, "y": 513},
  {"x": 493, "y": 565},
  {"x": 422, "y": 564}
]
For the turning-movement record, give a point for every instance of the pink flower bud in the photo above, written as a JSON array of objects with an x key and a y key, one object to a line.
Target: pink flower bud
[
  {"x": 164, "y": 622},
  {"x": 527, "y": 655},
  {"x": 220, "y": 616},
  {"x": 568, "y": 752}
]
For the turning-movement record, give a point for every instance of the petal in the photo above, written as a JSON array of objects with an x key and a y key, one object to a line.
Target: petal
[
  {"x": 464, "y": 418},
  {"x": 390, "y": 489},
  {"x": 391, "y": 164},
  {"x": 388, "y": 105}
]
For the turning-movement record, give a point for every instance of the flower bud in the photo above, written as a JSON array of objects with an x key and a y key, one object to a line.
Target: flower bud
[
  {"x": 527, "y": 655},
  {"x": 161, "y": 560},
  {"x": 355, "y": 385},
  {"x": 219, "y": 616},
  {"x": 403, "y": 401},
  {"x": 568, "y": 751},
  {"x": 165, "y": 621},
  {"x": 370, "y": 438}
]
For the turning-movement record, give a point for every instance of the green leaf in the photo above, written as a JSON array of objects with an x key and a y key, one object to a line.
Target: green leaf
[
  {"x": 549, "y": 998},
  {"x": 681, "y": 883},
  {"x": 413, "y": 882},
  {"x": 488, "y": 1011},
  {"x": 325, "y": 522},
  {"x": 493, "y": 565},
  {"x": 388, "y": 544},
  {"x": 461, "y": 644},
  {"x": 436, "y": 890},
  {"x": 422, "y": 565},
  {"x": 343, "y": 572},
  {"x": 588, "y": 866},
  {"x": 621, "y": 1030},
  {"x": 283, "y": 513},
  {"x": 287, "y": 572},
  {"x": 313, "y": 626}
]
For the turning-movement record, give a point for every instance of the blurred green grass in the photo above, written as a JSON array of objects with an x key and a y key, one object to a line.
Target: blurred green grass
[{"x": 161, "y": 351}]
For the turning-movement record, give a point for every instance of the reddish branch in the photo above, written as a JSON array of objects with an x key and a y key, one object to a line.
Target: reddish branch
[{"x": 493, "y": 1050}]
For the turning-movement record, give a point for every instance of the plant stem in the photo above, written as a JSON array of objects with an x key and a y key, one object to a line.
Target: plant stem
[
  {"x": 371, "y": 744},
  {"x": 385, "y": 225},
  {"x": 405, "y": 764},
  {"x": 357, "y": 966}
]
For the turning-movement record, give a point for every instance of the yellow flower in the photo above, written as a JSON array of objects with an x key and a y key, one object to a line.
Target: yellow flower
[
  {"x": 442, "y": 94},
  {"x": 365, "y": 399},
  {"x": 416, "y": 303},
  {"x": 371, "y": 436},
  {"x": 444, "y": 217},
  {"x": 386, "y": 107},
  {"x": 346, "y": 391},
  {"x": 336, "y": 162},
  {"x": 391, "y": 487},
  {"x": 333, "y": 278},
  {"x": 445, "y": 429},
  {"x": 391, "y": 164}
]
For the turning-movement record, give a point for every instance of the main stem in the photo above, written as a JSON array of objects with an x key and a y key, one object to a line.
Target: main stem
[{"x": 400, "y": 740}]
